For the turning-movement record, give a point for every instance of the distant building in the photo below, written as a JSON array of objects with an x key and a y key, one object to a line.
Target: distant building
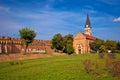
[{"x": 82, "y": 40}]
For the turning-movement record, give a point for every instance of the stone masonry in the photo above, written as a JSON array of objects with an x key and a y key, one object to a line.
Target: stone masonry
[{"x": 16, "y": 45}]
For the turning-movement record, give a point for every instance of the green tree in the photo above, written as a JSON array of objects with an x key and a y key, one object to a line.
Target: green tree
[
  {"x": 67, "y": 39},
  {"x": 27, "y": 35},
  {"x": 57, "y": 42},
  {"x": 64, "y": 44},
  {"x": 118, "y": 45},
  {"x": 69, "y": 49},
  {"x": 111, "y": 45},
  {"x": 95, "y": 45},
  {"x": 102, "y": 48}
]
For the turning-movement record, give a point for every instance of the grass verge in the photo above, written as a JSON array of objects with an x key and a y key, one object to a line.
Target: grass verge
[{"x": 66, "y": 67}]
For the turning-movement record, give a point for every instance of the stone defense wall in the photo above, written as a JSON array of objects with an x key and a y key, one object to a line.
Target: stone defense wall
[{"x": 16, "y": 45}]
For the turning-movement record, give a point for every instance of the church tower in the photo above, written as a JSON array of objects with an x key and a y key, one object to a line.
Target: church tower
[{"x": 88, "y": 28}]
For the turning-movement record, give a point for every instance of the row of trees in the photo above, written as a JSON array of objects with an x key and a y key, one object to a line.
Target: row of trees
[
  {"x": 59, "y": 42},
  {"x": 63, "y": 43},
  {"x": 100, "y": 45}
]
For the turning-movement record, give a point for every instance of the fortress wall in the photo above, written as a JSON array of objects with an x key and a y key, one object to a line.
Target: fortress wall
[{"x": 16, "y": 45}]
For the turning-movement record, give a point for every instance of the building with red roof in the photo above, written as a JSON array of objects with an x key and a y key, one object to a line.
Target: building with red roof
[{"x": 81, "y": 43}]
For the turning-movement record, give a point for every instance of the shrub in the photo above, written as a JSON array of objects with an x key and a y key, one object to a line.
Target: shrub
[
  {"x": 96, "y": 68},
  {"x": 88, "y": 65},
  {"x": 108, "y": 64},
  {"x": 111, "y": 55},
  {"x": 112, "y": 67},
  {"x": 101, "y": 55},
  {"x": 70, "y": 49},
  {"x": 12, "y": 63},
  {"x": 115, "y": 68},
  {"x": 96, "y": 65},
  {"x": 15, "y": 63},
  {"x": 116, "y": 51}
]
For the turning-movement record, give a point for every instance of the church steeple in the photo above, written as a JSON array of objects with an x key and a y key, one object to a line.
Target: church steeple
[
  {"x": 88, "y": 24},
  {"x": 88, "y": 28}
]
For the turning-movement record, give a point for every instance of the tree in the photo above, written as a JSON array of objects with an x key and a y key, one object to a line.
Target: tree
[
  {"x": 95, "y": 45},
  {"x": 67, "y": 39},
  {"x": 118, "y": 45},
  {"x": 64, "y": 44},
  {"x": 69, "y": 49},
  {"x": 111, "y": 45},
  {"x": 102, "y": 48},
  {"x": 57, "y": 42},
  {"x": 27, "y": 35}
]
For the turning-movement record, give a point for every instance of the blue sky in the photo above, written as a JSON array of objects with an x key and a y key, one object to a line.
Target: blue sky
[{"x": 48, "y": 17}]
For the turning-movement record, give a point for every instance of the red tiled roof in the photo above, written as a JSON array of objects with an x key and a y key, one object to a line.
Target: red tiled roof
[{"x": 90, "y": 37}]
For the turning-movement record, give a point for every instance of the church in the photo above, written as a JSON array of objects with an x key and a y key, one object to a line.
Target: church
[{"x": 81, "y": 42}]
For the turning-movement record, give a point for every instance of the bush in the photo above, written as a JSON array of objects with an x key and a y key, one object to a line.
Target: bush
[
  {"x": 12, "y": 63},
  {"x": 88, "y": 65},
  {"x": 108, "y": 64},
  {"x": 111, "y": 55},
  {"x": 112, "y": 67},
  {"x": 115, "y": 68},
  {"x": 101, "y": 55},
  {"x": 116, "y": 51},
  {"x": 91, "y": 67},
  {"x": 70, "y": 49},
  {"x": 15, "y": 63}
]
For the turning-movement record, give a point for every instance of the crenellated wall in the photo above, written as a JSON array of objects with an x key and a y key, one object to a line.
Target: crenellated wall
[{"x": 16, "y": 45}]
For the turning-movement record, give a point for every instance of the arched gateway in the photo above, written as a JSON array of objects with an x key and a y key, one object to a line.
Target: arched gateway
[{"x": 79, "y": 48}]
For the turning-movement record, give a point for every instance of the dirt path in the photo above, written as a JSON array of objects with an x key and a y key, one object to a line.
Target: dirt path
[{"x": 19, "y": 56}]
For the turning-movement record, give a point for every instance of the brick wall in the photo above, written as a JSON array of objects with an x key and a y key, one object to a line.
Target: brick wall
[{"x": 16, "y": 45}]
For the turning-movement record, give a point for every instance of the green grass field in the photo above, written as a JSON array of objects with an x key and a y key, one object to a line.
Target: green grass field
[{"x": 66, "y": 67}]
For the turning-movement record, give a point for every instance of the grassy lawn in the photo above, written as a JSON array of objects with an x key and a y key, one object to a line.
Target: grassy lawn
[{"x": 67, "y": 67}]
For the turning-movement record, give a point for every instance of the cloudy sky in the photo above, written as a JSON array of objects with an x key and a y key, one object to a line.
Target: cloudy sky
[{"x": 48, "y": 17}]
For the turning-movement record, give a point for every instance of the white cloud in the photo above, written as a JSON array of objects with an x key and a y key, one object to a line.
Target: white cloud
[
  {"x": 4, "y": 9},
  {"x": 54, "y": 22},
  {"x": 117, "y": 19},
  {"x": 45, "y": 21},
  {"x": 46, "y": 18}
]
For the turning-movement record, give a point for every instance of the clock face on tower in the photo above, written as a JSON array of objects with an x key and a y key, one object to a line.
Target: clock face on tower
[{"x": 86, "y": 25}]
